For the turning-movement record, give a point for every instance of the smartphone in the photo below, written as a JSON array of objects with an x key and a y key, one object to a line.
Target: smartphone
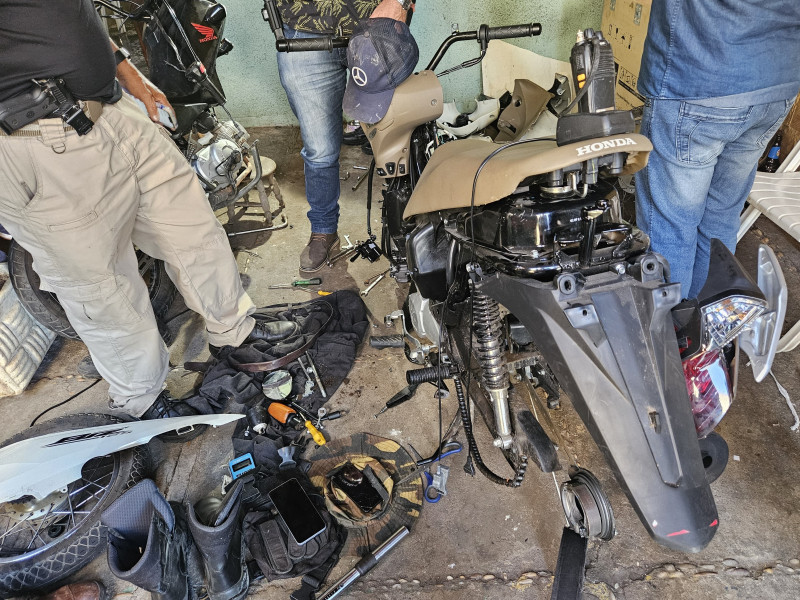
[
  {"x": 297, "y": 511},
  {"x": 166, "y": 116}
]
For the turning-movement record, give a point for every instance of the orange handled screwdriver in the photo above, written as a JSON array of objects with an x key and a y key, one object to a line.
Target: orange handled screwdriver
[{"x": 287, "y": 415}]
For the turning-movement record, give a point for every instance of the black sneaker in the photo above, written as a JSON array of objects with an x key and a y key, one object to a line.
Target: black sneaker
[
  {"x": 269, "y": 331},
  {"x": 165, "y": 407}
]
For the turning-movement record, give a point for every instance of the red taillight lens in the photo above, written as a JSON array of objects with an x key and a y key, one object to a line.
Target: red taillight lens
[{"x": 709, "y": 385}]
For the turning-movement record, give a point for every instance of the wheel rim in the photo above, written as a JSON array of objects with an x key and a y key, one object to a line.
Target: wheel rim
[{"x": 29, "y": 526}]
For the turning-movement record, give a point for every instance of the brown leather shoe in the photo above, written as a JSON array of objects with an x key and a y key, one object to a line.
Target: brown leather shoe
[
  {"x": 315, "y": 254},
  {"x": 83, "y": 590}
]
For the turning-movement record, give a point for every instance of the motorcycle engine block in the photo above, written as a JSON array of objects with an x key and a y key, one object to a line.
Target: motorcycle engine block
[{"x": 538, "y": 233}]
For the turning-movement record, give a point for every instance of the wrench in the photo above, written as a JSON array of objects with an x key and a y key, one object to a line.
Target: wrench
[
  {"x": 349, "y": 244},
  {"x": 366, "y": 291}
]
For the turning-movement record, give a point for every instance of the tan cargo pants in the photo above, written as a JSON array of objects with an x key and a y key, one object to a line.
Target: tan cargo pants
[{"x": 78, "y": 204}]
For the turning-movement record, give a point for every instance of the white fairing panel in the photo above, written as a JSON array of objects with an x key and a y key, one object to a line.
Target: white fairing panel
[{"x": 41, "y": 465}]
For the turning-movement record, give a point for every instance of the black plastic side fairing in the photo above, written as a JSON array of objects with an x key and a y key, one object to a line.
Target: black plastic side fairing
[{"x": 613, "y": 349}]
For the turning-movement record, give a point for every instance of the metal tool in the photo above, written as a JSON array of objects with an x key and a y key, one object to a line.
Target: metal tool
[
  {"x": 312, "y": 370},
  {"x": 374, "y": 277},
  {"x": 283, "y": 223},
  {"x": 405, "y": 394},
  {"x": 358, "y": 181},
  {"x": 364, "y": 565},
  {"x": 345, "y": 177},
  {"x": 321, "y": 412},
  {"x": 437, "y": 484},
  {"x": 367, "y": 290},
  {"x": 360, "y": 168},
  {"x": 346, "y": 251},
  {"x": 296, "y": 283}
]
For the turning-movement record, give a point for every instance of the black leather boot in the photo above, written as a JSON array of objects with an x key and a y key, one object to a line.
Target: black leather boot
[
  {"x": 216, "y": 526},
  {"x": 270, "y": 331},
  {"x": 148, "y": 542}
]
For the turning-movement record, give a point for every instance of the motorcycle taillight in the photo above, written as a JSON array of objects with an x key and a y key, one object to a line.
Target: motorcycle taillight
[{"x": 710, "y": 392}]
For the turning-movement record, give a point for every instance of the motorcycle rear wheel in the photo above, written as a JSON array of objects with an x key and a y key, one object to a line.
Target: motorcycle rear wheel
[
  {"x": 45, "y": 307},
  {"x": 44, "y": 541}
]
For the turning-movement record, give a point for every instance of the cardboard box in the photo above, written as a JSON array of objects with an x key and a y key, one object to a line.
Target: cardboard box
[{"x": 624, "y": 25}]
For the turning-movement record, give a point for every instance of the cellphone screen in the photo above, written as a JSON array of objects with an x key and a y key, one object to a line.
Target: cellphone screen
[{"x": 297, "y": 511}]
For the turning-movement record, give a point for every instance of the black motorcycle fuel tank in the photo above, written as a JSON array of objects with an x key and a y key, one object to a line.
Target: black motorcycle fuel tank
[{"x": 203, "y": 22}]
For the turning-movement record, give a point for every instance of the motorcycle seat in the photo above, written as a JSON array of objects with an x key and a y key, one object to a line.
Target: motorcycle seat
[{"x": 447, "y": 181}]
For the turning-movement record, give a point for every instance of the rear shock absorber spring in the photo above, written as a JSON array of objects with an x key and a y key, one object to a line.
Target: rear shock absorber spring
[{"x": 488, "y": 329}]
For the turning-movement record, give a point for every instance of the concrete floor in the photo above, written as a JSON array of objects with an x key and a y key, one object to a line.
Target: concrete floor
[{"x": 483, "y": 541}]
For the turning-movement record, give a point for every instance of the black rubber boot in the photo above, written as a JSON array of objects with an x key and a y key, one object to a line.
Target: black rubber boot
[
  {"x": 148, "y": 542},
  {"x": 216, "y": 526}
]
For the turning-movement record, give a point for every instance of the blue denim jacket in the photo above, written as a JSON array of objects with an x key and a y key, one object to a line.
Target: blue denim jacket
[{"x": 699, "y": 49}]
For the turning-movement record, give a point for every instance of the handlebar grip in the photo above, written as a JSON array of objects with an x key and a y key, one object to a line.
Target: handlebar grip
[
  {"x": 311, "y": 44},
  {"x": 514, "y": 31},
  {"x": 386, "y": 341}
]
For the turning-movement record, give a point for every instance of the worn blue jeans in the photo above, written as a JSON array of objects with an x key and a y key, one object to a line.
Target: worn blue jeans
[
  {"x": 698, "y": 177},
  {"x": 314, "y": 83}
]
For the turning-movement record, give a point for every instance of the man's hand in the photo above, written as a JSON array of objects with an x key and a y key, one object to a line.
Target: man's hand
[
  {"x": 389, "y": 9},
  {"x": 140, "y": 87}
]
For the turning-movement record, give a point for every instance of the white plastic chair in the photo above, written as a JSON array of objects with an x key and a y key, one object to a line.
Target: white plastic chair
[{"x": 777, "y": 197}]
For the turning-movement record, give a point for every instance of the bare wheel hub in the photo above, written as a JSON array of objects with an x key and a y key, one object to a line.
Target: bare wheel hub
[{"x": 29, "y": 508}]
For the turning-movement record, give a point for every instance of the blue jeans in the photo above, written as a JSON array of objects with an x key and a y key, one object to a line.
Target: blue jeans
[
  {"x": 314, "y": 83},
  {"x": 698, "y": 177}
]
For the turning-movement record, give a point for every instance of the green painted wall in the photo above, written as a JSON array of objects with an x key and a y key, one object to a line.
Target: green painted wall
[{"x": 250, "y": 74}]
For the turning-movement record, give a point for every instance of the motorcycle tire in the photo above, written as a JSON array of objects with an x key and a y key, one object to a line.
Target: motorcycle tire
[
  {"x": 45, "y": 307},
  {"x": 70, "y": 542}
]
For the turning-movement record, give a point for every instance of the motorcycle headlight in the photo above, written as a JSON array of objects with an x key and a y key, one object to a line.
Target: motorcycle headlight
[
  {"x": 710, "y": 392},
  {"x": 724, "y": 319}
]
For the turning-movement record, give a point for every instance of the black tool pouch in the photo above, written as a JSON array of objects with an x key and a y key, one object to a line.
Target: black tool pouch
[{"x": 278, "y": 556}]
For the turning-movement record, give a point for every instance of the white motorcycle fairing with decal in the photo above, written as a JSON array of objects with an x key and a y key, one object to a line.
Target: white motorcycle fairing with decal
[{"x": 38, "y": 466}]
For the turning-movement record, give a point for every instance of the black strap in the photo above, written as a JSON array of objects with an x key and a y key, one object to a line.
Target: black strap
[
  {"x": 313, "y": 580},
  {"x": 571, "y": 567},
  {"x": 292, "y": 356}
]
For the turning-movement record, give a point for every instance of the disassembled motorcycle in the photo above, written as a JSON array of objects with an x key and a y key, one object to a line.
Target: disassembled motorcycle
[
  {"x": 524, "y": 275},
  {"x": 182, "y": 41}
]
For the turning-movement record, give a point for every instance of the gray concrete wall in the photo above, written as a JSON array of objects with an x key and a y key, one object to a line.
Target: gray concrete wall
[{"x": 250, "y": 74}]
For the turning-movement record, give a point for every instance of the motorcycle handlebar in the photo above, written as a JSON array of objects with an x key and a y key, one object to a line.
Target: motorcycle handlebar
[
  {"x": 483, "y": 34},
  {"x": 513, "y": 31},
  {"x": 311, "y": 44}
]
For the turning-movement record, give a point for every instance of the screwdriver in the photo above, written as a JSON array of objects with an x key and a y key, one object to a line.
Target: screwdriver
[
  {"x": 405, "y": 394},
  {"x": 287, "y": 415},
  {"x": 296, "y": 283}
]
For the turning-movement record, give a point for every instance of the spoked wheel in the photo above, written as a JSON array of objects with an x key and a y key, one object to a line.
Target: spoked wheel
[
  {"x": 42, "y": 541},
  {"x": 586, "y": 506},
  {"x": 45, "y": 307}
]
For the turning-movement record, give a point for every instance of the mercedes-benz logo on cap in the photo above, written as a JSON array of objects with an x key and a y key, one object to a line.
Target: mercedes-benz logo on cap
[{"x": 359, "y": 76}]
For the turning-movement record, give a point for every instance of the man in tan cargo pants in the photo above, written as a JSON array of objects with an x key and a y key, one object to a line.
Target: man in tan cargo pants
[{"x": 79, "y": 203}]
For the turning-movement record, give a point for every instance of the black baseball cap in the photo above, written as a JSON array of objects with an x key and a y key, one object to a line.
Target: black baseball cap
[{"x": 382, "y": 53}]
